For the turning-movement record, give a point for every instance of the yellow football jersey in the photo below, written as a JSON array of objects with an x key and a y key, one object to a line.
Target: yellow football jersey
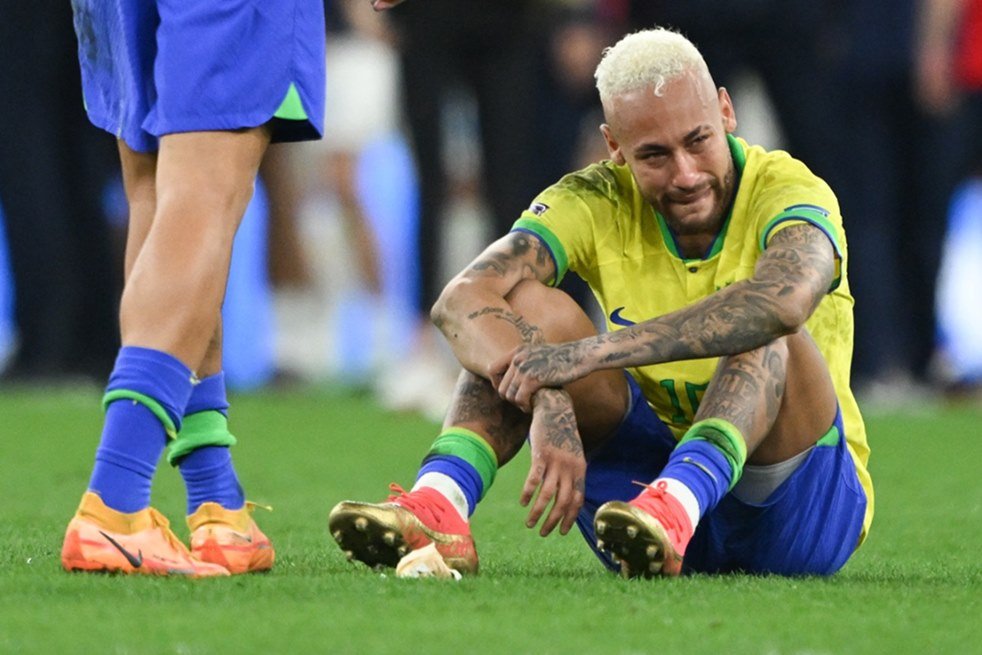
[{"x": 595, "y": 222}]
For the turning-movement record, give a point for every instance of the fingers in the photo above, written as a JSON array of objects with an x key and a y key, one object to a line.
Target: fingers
[
  {"x": 532, "y": 482},
  {"x": 495, "y": 378},
  {"x": 523, "y": 395},
  {"x": 516, "y": 389},
  {"x": 500, "y": 366},
  {"x": 569, "y": 518},
  {"x": 546, "y": 493},
  {"x": 507, "y": 379},
  {"x": 558, "y": 511},
  {"x": 565, "y": 509},
  {"x": 514, "y": 384},
  {"x": 565, "y": 495}
]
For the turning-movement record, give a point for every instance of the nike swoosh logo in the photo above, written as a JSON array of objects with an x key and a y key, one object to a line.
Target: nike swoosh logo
[
  {"x": 136, "y": 562},
  {"x": 617, "y": 319}
]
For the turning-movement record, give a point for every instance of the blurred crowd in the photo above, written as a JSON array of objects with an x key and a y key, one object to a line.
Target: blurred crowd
[{"x": 445, "y": 118}]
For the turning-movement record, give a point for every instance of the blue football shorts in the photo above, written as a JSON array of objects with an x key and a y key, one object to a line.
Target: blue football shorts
[
  {"x": 151, "y": 68},
  {"x": 809, "y": 525}
]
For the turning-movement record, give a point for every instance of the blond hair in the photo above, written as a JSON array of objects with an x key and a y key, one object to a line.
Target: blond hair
[{"x": 649, "y": 58}]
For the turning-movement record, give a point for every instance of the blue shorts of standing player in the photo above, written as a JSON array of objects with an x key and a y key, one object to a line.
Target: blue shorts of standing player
[
  {"x": 155, "y": 68},
  {"x": 194, "y": 91},
  {"x": 804, "y": 519}
]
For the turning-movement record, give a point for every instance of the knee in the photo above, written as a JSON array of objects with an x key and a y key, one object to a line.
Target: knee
[
  {"x": 551, "y": 310},
  {"x": 211, "y": 211}
]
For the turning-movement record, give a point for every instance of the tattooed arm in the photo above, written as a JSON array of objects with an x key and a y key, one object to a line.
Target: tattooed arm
[
  {"x": 791, "y": 278},
  {"x": 558, "y": 467},
  {"x": 473, "y": 312}
]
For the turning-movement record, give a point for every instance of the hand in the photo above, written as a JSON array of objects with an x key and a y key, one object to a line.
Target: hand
[
  {"x": 558, "y": 469},
  {"x": 529, "y": 368}
]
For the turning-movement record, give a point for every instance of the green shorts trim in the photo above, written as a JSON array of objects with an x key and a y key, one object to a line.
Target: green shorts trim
[{"x": 291, "y": 109}]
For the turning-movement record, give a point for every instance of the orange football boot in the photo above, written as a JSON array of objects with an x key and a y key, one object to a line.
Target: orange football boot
[
  {"x": 230, "y": 538},
  {"x": 382, "y": 534},
  {"x": 99, "y": 538},
  {"x": 647, "y": 535}
]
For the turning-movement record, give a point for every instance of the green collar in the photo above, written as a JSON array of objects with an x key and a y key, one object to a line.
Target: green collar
[{"x": 739, "y": 160}]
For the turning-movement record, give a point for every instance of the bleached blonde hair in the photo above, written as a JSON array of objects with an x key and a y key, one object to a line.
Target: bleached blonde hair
[{"x": 646, "y": 58}]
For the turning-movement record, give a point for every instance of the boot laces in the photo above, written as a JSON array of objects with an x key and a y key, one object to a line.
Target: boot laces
[
  {"x": 417, "y": 503},
  {"x": 158, "y": 520},
  {"x": 655, "y": 501}
]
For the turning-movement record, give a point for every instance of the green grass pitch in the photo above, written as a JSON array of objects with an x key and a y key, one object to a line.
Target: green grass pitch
[{"x": 914, "y": 587}]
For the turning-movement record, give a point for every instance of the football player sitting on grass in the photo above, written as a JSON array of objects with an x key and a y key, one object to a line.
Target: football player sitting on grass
[{"x": 711, "y": 428}]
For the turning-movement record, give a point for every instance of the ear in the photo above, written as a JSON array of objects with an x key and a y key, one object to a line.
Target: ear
[
  {"x": 727, "y": 111},
  {"x": 613, "y": 147}
]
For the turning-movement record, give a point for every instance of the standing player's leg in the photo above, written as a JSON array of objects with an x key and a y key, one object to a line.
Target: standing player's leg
[
  {"x": 174, "y": 292},
  {"x": 219, "y": 518},
  {"x": 768, "y": 405},
  {"x": 201, "y": 447},
  {"x": 481, "y": 433},
  {"x": 222, "y": 528},
  {"x": 169, "y": 310},
  {"x": 114, "y": 528},
  {"x": 218, "y": 515}
]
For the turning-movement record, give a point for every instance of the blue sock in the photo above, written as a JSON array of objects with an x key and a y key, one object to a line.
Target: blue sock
[
  {"x": 703, "y": 468},
  {"x": 210, "y": 477},
  {"x": 208, "y": 472},
  {"x": 462, "y": 473},
  {"x": 208, "y": 394},
  {"x": 146, "y": 395},
  {"x": 464, "y": 457}
]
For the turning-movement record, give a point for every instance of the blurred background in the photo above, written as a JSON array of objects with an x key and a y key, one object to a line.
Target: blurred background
[{"x": 444, "y": 119}]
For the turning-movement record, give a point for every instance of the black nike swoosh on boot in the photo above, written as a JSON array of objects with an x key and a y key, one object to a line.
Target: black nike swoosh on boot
[{"x": 136, "y": 562}]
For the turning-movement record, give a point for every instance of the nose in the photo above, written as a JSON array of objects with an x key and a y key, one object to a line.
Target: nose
[{"x": 686, "y": 170}]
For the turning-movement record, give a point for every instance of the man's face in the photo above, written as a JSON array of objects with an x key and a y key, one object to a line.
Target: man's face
[{"x": 675, "y": 145}]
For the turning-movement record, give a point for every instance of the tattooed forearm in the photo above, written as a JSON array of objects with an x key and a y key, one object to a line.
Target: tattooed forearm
[
  {"x": 791, "y": 279},
  {"x": 555, "y": 409},
  {"x": 737, "y": 319},
  {"x": 530, "y": 333}
]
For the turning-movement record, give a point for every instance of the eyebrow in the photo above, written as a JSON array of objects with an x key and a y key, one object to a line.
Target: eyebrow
[{"x": 659, "y": 148}]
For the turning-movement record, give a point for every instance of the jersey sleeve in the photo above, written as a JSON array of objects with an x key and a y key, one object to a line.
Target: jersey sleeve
[
  {"x": 793, "y": 195},
  {"x": 562, "y": 218}
]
